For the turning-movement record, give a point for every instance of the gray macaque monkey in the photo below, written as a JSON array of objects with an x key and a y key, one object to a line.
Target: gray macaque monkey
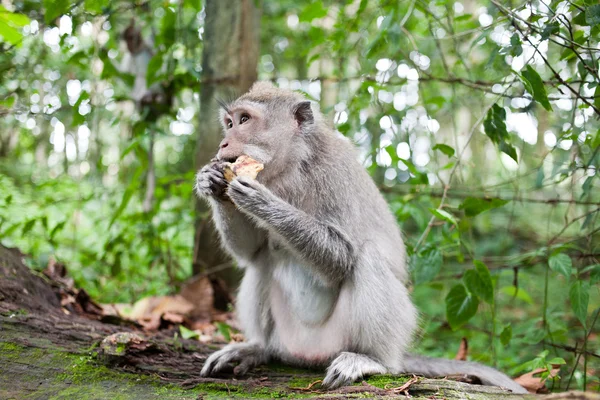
[{"x": 325, "y": 265}]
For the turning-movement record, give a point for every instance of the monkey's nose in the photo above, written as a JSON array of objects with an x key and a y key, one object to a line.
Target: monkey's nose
[{"x": 223, "y": 145}]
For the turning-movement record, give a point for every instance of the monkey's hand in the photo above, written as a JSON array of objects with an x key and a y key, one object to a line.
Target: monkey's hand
[
  {"x": 250, "y": 195},
  {"x": 245, "y": 355},
  {"x": 210, "y": 181}
]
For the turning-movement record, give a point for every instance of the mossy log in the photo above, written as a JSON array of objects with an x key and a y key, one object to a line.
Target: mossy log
[{"x": 48, "y": 354}]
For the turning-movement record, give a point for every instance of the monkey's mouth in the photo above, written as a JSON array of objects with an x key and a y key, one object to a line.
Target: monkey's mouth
[{"x": 227, "y": 159}]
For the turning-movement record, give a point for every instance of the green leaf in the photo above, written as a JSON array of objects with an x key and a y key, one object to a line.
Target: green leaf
[
  {"x": 28, "y": 226},
  {"x": 474, "y": 206},
  {"x": 9, "y": 101},
  {"x": 516, "y": 48},
  {"x": 108, "y": 69},
  {"x": 479, "y": 282},
  {"x": 13, "y": 19},
  {"x": 57, "y": 228},
  {"x": 597, "y": 97},
  {"x": 495, "y": 128},
  {"x": 444, "y": 148},
  {"x": 313, "y": 10},
  {"x": 519, "y": 293},
  {"x": 538, "y": 91},
  {"x": 561, "y": 263},
  {"x": 94, "y": 6},
  {"x": 550, "y": 29},
  {"x": 444, "y": 215},
  {"x": 54, "y": 9},
  {"x": 154, "y": 66},
  {"x": 188, "y": 333},
  {"x": 131, "y": 189},
  {"x": 594, "y": 271},
  {"x": 461, "y": 306},
  {"x": 506, "y": 335},
  {"x": 9, "y": 34},
  {"x": 557, "y": 361},
  {"x": 592, "y": 15},
  {"x": 426, "y": 265},
  {"x": 579, "y": 296},
  {"x": 224, "y": 330}
]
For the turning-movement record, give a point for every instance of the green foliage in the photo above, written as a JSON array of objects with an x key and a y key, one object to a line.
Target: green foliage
[
  {"x": 10, "y": 25},
  {"x": 504, "y": 212},
  {"x": 534, "y": 84},
  {"x": 479, "y": 282},
  {"x": 495, "y": 129},
  {"x": 475, "y": 206},
  {"x": 561, "y": 263},
  {"x": 461, "y": 306},
  {"x": 426, "y": 265},
  {"x": 580, "y": 298}
]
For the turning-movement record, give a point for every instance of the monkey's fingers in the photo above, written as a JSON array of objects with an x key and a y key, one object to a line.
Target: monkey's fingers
[
  {"x": 245, "y": 365},
  {"x": 209, "y": 367}
]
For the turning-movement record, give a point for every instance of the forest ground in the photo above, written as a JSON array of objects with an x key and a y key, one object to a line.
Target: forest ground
[{"x": 47, "y": 352}]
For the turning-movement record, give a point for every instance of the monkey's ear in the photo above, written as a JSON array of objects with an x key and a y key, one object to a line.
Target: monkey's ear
[{"x": 303, "y": 113}]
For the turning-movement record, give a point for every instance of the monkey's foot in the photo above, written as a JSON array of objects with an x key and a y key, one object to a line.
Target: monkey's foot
[
  {"x": 245, "y": 355},
  {"x": 350, "y": 367}
]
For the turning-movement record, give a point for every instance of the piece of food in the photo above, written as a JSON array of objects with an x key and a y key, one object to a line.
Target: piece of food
[{"x": 243, "y": 166}]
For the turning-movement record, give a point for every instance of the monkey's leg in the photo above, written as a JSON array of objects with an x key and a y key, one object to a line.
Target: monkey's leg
[
  {"x": 349, "y": 367},
  {"x": 245, "y": 355}
]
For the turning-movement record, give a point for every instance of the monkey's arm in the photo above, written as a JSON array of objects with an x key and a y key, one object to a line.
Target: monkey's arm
[
  {"x": 325, "y": 246},
  {"x": 239, "y": 234}
]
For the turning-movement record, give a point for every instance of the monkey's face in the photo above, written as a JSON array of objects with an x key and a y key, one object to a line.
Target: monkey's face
[{"x": 249, "y": 129}]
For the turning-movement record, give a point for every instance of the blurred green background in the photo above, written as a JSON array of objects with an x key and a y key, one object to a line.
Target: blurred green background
[{"x": 478, "y": 120}]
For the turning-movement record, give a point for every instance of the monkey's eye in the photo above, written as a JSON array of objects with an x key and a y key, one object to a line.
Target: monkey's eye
[
  {"x": 244, "y": 118},
  {"x": 229, "y": 124}
]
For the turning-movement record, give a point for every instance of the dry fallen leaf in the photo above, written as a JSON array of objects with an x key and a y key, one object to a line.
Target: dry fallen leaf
[
  {"x": 535, "y": 384},
  {"x": 463, "y": 350}
]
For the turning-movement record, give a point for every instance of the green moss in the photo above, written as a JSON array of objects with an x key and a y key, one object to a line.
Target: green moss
[
  {"x": 15, "y": 313},
  {"x": 387, "y": 381},
  {"x": 301, "y": 382}
]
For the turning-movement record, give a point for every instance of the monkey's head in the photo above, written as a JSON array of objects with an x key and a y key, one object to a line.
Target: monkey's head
[{"x": 267, "y": 124}]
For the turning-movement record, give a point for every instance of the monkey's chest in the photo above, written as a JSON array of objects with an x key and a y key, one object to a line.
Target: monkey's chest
[
  {"x": 307, "y": 316},
  {"x": 298, "y": 294}
]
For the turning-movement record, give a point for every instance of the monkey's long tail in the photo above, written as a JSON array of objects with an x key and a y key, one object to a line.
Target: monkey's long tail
[{"x": 435, "y": 367}]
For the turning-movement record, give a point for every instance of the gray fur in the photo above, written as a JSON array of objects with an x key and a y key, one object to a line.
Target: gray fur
[{"x": 325, "y": 279}]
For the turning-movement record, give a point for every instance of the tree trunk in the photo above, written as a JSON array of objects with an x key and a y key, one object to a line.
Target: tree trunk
[{"x": 229, "y": 62}]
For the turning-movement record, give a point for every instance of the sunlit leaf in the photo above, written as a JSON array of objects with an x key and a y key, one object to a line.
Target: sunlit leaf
[
  {"x": 518, "y": 293},
  {"x": 188, "y": 333},
  {"x": 224, "y": 330},
  {"x": 444, "y": 148},
  {"x": 312, "y": 10},
  {"x": 561, "y": 263},
  {"x": 444, "y": 215}
]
